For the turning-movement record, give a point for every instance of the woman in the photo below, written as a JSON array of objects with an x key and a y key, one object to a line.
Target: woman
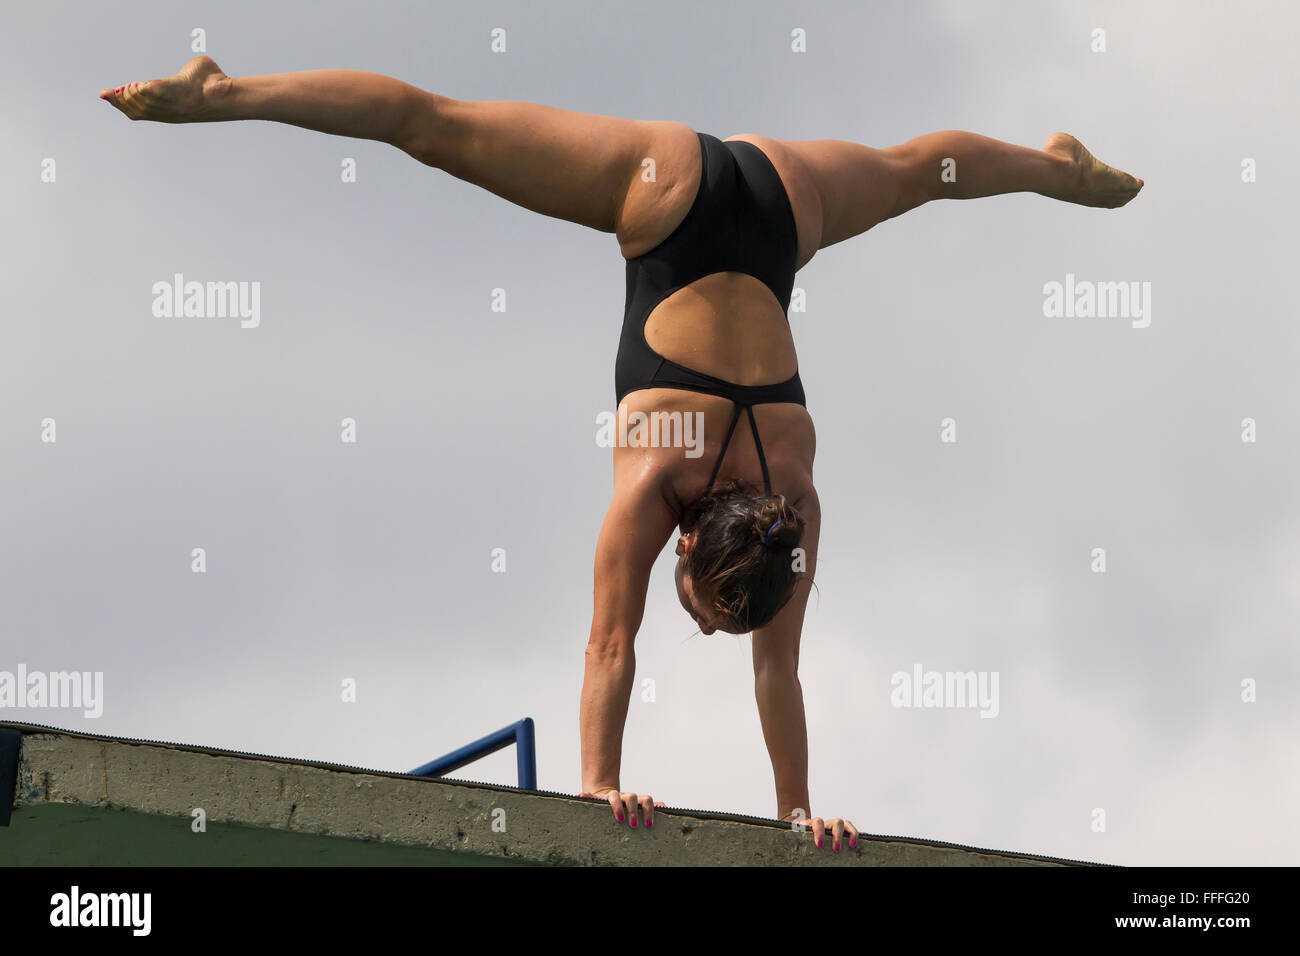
[{"x": 713, "y": 232}]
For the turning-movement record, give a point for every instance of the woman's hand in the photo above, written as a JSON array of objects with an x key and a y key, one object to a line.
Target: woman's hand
[
  {"x": 627, "y": 805},
  {"x": 819, "y": 827}
]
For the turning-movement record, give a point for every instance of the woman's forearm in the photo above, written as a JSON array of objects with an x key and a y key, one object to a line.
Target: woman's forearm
[
  {"x": 606, "y": 689},
  {"x": 781, "y": 713},
  {"x": 341, "y": 102}
]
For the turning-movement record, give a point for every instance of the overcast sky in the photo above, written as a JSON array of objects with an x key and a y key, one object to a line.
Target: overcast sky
[{"x": 1120, "y": 691}]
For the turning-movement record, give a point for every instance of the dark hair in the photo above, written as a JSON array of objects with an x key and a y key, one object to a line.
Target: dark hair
[{"x": 748, "y": 581}]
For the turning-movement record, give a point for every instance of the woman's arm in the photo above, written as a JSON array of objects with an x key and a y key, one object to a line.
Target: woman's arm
[
  {"x": 780, "y": 695},
  {"x": 776, "y": 679},
  {"x": 636, "y": 528}
]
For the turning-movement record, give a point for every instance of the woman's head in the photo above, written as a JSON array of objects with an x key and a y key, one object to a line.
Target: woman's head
[{"x": 735, "y": 567}]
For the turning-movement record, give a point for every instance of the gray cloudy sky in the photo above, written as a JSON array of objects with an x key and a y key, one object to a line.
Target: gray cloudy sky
[{"x": 1119, "y": 691}]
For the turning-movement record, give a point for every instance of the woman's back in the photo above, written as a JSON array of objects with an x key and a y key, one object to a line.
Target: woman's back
[{"x": 705, "y": 330}]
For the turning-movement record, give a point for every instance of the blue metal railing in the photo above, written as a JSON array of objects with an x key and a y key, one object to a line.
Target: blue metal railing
[{"x": 520, "y": 733}]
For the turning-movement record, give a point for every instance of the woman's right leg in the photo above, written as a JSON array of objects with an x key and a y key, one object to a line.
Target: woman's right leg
[{"x": 574, "y": 166}]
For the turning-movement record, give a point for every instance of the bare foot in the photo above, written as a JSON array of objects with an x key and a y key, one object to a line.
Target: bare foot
[
  {"x": 1092, "y": 182},
  {"x": 182, "y": 98}
]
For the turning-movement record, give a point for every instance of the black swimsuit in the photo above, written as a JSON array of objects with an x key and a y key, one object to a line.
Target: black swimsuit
[{"x": 741, "y": 221}]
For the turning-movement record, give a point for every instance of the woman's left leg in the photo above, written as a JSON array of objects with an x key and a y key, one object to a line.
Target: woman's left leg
[{"x": 861, "y": 186}]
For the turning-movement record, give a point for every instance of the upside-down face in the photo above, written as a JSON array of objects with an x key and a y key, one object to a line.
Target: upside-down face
[{"x": 692, "y": 602}]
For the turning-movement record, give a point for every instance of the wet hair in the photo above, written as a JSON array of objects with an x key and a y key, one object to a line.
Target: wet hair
[{"x": 748, "y": 580}]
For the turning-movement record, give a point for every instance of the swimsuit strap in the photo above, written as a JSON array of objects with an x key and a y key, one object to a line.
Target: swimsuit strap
[
  {"x": 758, "y": 445},
  {"x": 725, "y": 442}
]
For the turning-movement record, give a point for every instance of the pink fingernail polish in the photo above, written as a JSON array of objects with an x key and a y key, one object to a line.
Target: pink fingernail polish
[
  {"x": 620, "y": 818},
  {"x": 819, "y": 844},
  {"x": 649, "y": 823},
  {"x": 853, "y": 843},
  {"x": 837, "y": 848},
  {"x": 634, "y": 821}
]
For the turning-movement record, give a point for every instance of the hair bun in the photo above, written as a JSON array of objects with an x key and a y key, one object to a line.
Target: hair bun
[{"x": 779, "y": 525}]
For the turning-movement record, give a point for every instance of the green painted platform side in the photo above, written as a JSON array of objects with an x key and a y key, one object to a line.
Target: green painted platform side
[
  {"x": 92, "y": 800},
  {"x": 75, "y": 835}
]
